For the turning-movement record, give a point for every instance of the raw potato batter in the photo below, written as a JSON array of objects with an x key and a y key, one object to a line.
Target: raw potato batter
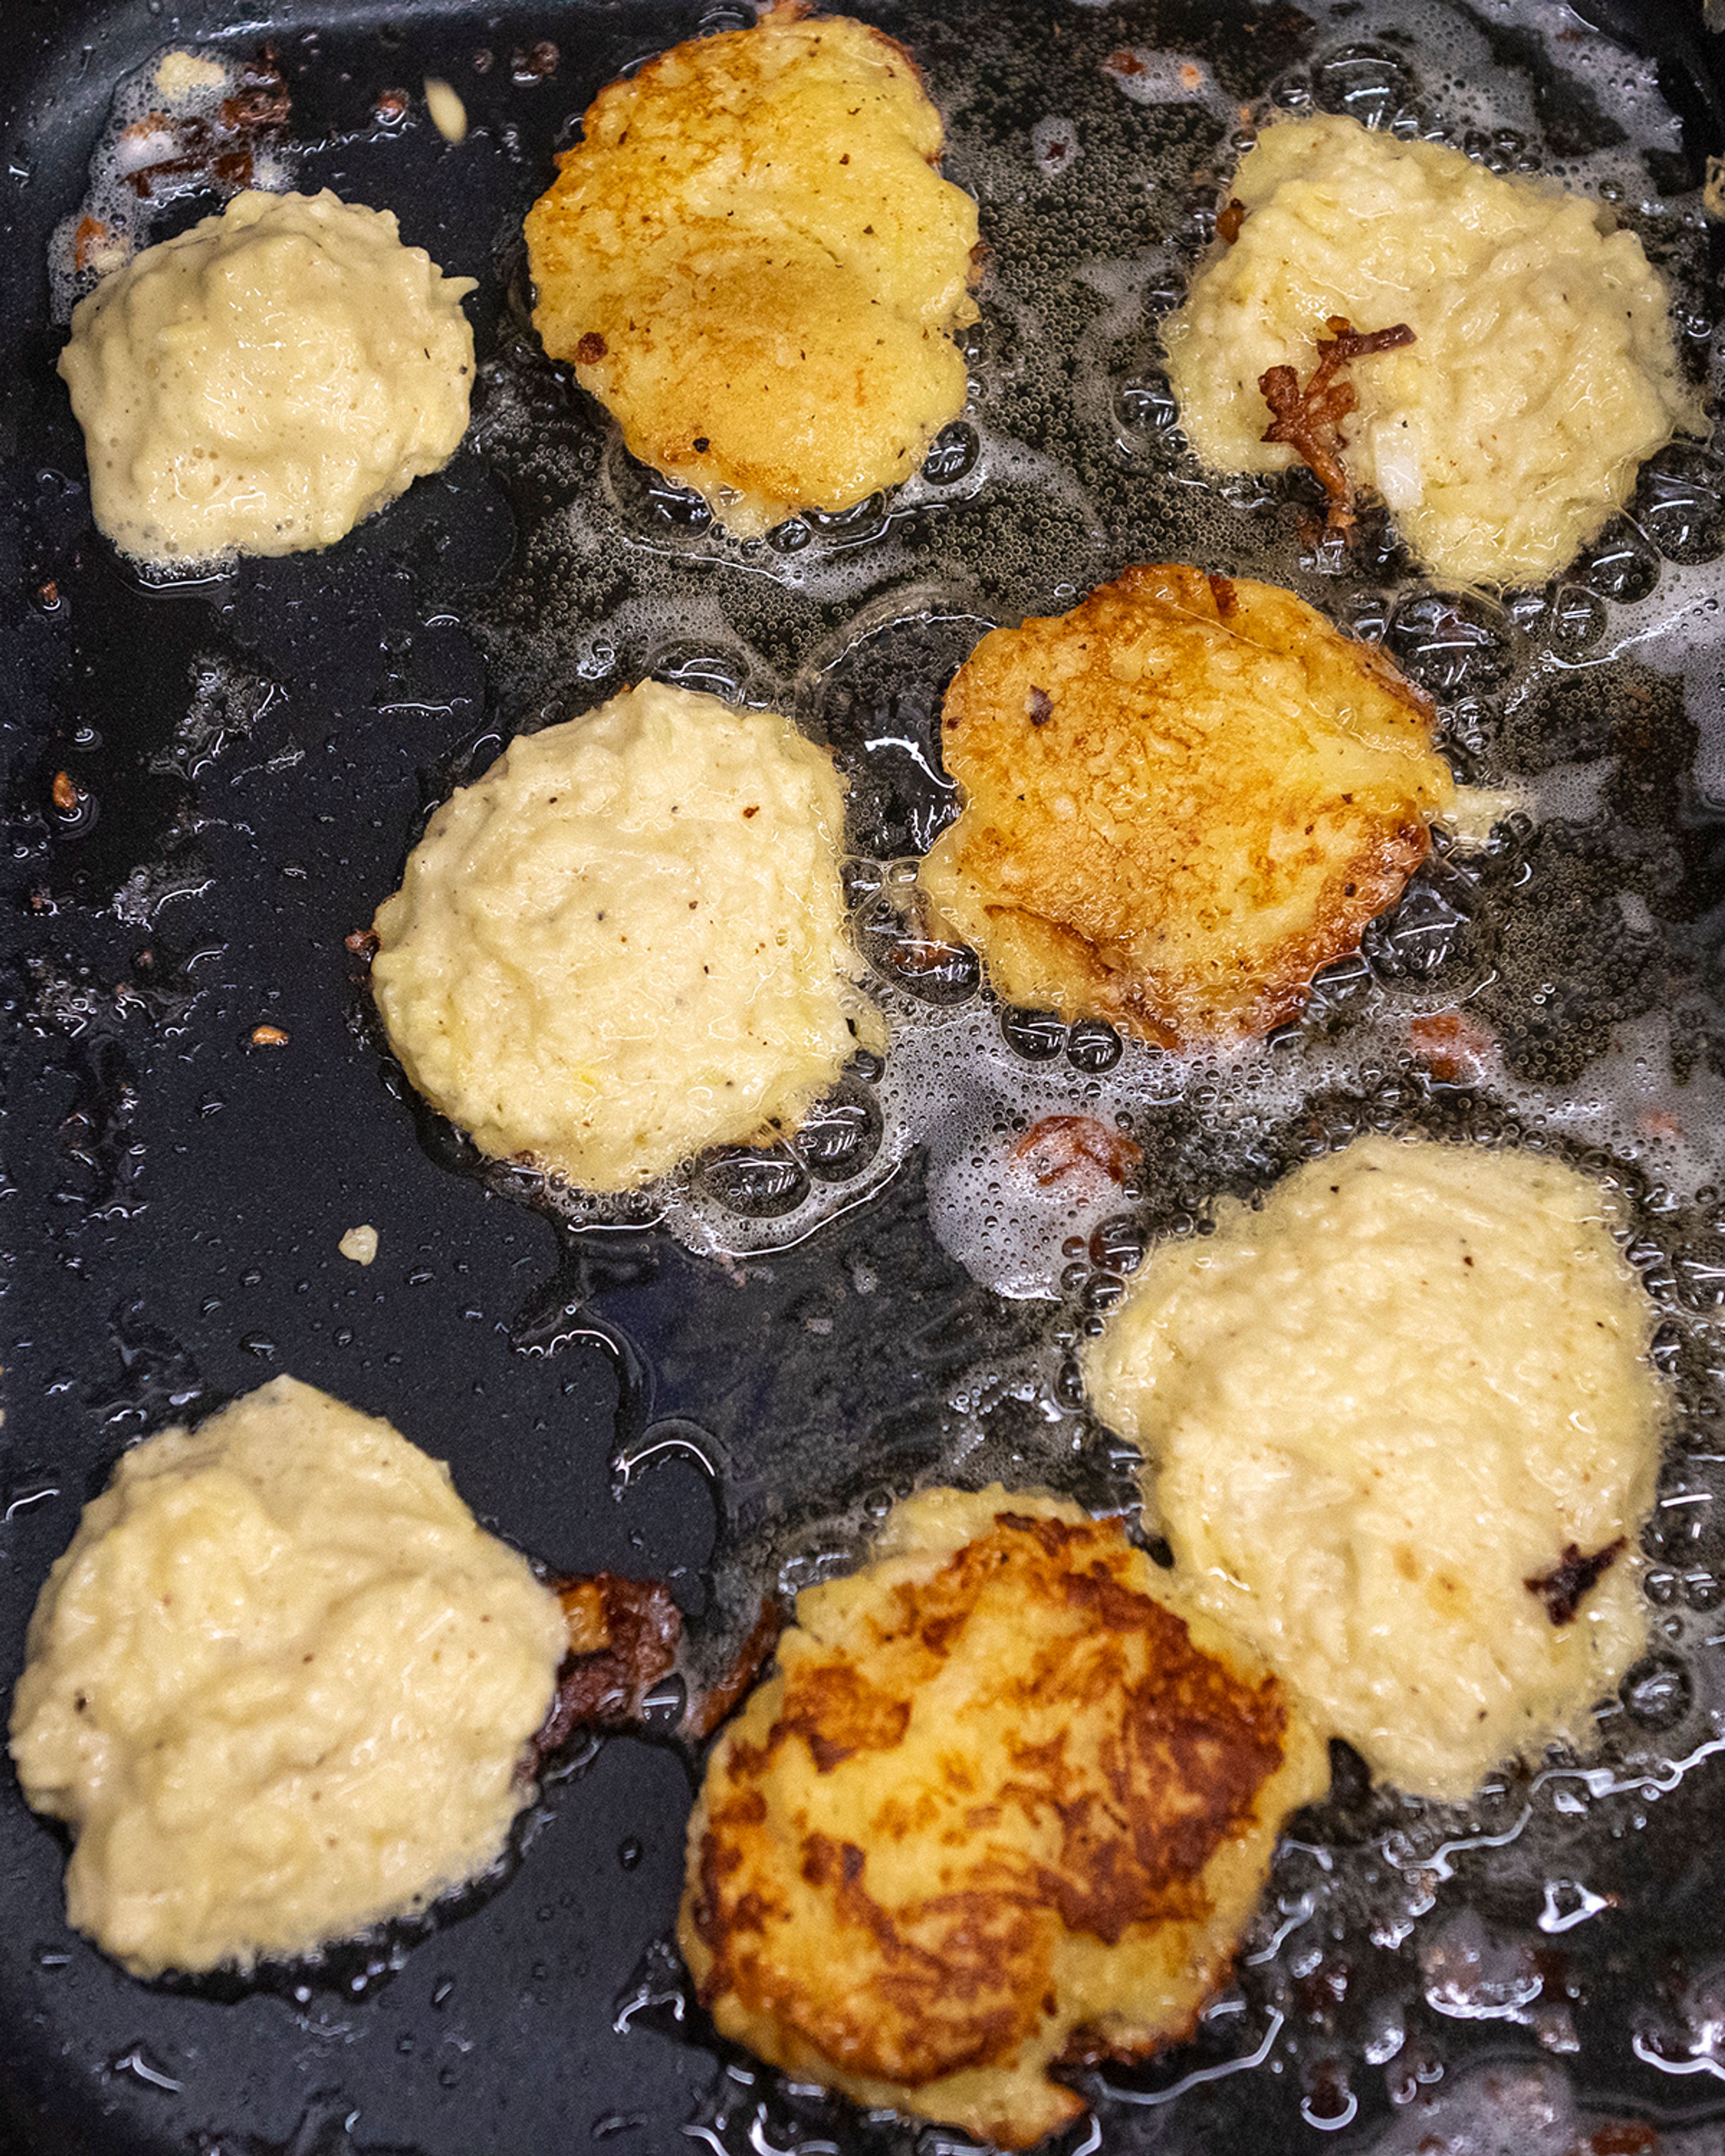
[
  {"x": 628, "y": 941},
  {"x": 280, "y": 1686},
  {"x": 1381, "y": 1417},
  {"x": 753, "y": 263},
  {"x": 267, "y": 380},
  {"x": 1004, "y": 1802},
  {"x": 1544, "y": 370}
]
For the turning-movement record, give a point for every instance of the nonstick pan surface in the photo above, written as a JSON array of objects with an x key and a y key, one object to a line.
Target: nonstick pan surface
[{"x": 254, "y": 754}]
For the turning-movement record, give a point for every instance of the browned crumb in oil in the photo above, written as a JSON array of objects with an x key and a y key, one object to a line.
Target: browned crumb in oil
[
  {"x": 1574, "y": 1576},
  {"x": 89, "y": 235},
  {"x": 623, "y": 1636},
  {"x": 224, "y": 145},
  {"x": 1309, "y": 420},
  {"x": 1059, "y": 1146},
  {"x": 533, "y": 63},
  {"x": 1456, "y": 1047}
]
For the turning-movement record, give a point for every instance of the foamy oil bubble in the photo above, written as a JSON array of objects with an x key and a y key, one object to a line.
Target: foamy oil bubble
[
  {"x": 1524, "y": 88},
  {"x": 1029, "y": 1151},
  {"x": 738, "y": 1201},
  {"x": 1624, "y": 84},
  {"x": 1683, "y": 2035},
  {"x": 1147, "y": 75},
  {"x": 613, "y": 507},
  {"x": 1055, "y": 145}
]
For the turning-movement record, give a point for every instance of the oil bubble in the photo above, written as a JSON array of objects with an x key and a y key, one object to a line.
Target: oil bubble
[
  {"x": 1036, "y": 1035},
  {"x": 759, "y": 1182},
  {"x": 1657, "y": 1691}
]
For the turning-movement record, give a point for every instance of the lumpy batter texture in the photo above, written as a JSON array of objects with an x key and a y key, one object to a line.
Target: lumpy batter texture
[
  {"x": 266, "y": 381},
  {"x": 1543, "y": 369},
  {"x": 628, "y": 941},
  {"x": 280, "y": 1688},
  {"x": 752, "y": 261},
  {"x": 1401, "y": 1431},
  {"x": 1001, "y": 1793}
]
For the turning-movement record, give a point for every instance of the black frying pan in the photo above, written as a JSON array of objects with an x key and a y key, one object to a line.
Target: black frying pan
[{"x": 174, "y": 1197}]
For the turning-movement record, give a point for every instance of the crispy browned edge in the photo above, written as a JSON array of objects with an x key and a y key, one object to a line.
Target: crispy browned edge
[
  {"x": 589, "y": 348},
  {"x": 1334, "y": 935},
  {"x": 1102, "y": 1885},
  {"x": 623, "y": 1636}
]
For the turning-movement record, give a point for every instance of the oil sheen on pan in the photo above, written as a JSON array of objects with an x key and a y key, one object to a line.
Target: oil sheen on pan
[{"x": 725, "y": 1379}]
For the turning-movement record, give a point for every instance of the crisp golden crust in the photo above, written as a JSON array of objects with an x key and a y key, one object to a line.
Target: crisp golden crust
[
  {"x": 751, "y": 259},
  {"x": 1001, "y": 1806},
  {"x": 1181, "y": 800}
]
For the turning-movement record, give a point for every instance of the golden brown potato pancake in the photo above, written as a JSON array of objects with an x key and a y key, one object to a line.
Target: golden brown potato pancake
[
  {"x": 1001, "y": 1806},
  {"x": 1181, "y": 800},
  {"x": 752, "y": 261}
]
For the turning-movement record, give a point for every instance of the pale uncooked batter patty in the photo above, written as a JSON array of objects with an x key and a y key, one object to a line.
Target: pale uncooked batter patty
[
  {"x": 1543, "y": 367},
  {"x": 628, "y": 941},
  {"x": 263, "y": 382},
  {"x": 1402, "y": 1433},
  {"x": 280, "y": 1686}
]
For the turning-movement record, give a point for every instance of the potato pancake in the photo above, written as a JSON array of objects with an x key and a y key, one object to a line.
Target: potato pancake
[
  {"x": 1181, "y": 800},
  {"x": 1002, "y": 1806},
  {"x": 264, "y": 381},
  {"x": 1540, "y": 371},
  {"x": 752, "y": 261},
  {"x": 1402, "y": 1430},
  {"x": 627, "y": 941},
  {"x": 281, "y": 1687}
]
